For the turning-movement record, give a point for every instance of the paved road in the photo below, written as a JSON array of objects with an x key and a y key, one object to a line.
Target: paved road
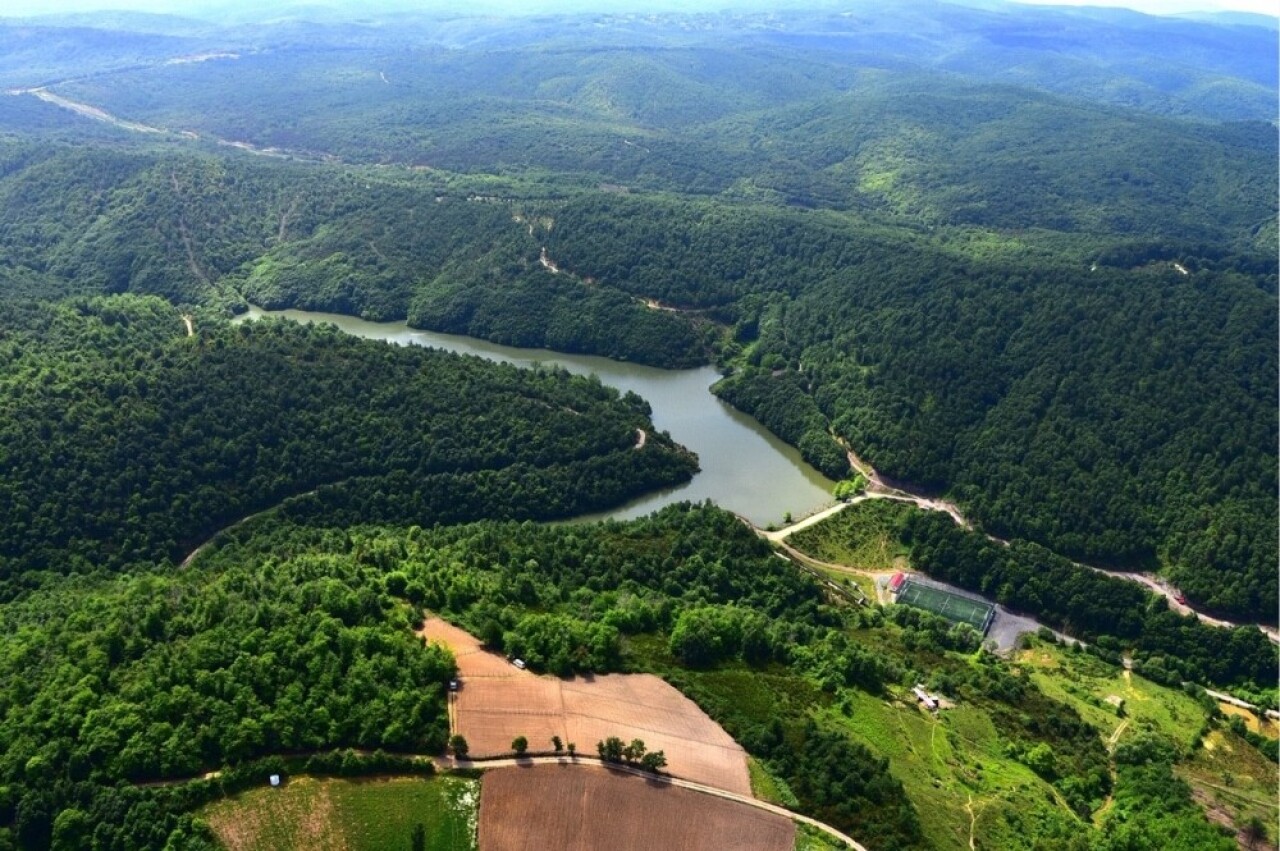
[{"x": 593, "y": 762}]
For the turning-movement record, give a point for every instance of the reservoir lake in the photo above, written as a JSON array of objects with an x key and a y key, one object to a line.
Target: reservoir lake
[{"x": 745, "y": 469}]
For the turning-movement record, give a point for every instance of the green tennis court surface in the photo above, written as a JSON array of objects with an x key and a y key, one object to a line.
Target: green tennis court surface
[{"x": 951, "y": 606}]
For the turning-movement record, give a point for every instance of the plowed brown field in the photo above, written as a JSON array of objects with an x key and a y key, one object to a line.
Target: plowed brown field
[
  {"x": 497, "y": 702},
  {"x": 584, "y": 808}
]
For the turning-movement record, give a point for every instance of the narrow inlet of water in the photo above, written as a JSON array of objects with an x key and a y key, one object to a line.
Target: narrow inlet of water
[{"x": 745, "y": 469}]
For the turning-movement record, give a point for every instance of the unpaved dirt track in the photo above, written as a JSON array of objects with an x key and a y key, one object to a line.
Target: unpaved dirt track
[{"x": 877, "y": 488}]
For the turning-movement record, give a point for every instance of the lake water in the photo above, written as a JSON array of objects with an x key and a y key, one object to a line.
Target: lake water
[{"x": 744, "y": 468}]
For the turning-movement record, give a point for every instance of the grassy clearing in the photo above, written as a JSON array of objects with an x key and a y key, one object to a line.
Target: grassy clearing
[
  {"x": 956, "y": 772},
  {"x": 1259, "y": 724},
  {"x": 1232, "y": 781},
  {"x": 1228, "y": 777},
  {"x": 865, "y": 584},
  {"x": 811, "y": 839},
  {"x": 1096, "y": 689},
  {"x": 767, "y": 787},
  {"x": 350, "y": 815},
  {"x": 865, "y": 535}
]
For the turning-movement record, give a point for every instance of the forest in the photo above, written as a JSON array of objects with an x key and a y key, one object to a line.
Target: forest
[
  {"x": 1138, "y": 434},
  {"x": 1004, "y": 254},
  {"x": 128, "y": 442}
]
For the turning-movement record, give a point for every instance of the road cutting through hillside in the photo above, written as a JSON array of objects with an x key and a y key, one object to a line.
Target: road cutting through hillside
[{"x": 878, "y": 488}]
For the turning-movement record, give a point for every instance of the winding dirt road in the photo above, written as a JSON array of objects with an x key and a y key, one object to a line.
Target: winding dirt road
[{"x": 878, "y": 488}]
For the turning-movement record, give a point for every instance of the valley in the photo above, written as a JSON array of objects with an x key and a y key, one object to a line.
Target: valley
[{"x": 769, "y": 428}]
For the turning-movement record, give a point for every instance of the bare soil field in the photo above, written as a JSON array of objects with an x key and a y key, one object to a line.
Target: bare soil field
[
  {"x": 577, "y": 808},
  {"x": 498, "y": 702}
]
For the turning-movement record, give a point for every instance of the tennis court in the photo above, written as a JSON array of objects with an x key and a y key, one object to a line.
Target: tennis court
[{"x": 951, "y": 606}]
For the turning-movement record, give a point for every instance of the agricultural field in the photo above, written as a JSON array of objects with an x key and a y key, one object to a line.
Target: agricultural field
[
  {"x": 350, "y": 815},
  {"x": 953, "y": 607},
  {"x": 577, "y": 808},
  {"x": 497, "y": 702}
]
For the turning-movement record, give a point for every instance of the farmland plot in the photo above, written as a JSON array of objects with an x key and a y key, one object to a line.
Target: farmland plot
[
  {"x": 497, "y": 702},
  {"x": 577, "y": 808}
]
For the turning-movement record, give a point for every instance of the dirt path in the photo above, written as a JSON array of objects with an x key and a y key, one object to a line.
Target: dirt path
[
  {"x": 282, "y": 232},
  {"x": 189, "y": 321},
  {"x": 878, "y": 488},
  {"x": 547, "y": 262},
  {"x": 642, "y": 437},
  {"x": 973, "y": 822},
  {"x": 86, "y": 111},
  {"x": 194, "y": 554},
  {"x": 186, "y": 235},
  {"x": 811, "y": 520},
  {"x": 1223, "y": 697}
]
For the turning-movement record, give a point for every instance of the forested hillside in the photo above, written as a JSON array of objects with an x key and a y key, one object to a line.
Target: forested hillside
[
  {"x": 128, "y": 442},
  {"x": 1021, "y": 258},
  {"x": 1061, "y": 312}
]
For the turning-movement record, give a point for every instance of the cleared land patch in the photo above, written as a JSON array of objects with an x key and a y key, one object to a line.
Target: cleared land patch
[
  {"x": 496, "y": 702},
  {"x": 582, "y": 808},
  {"x": 349, "y": 815}
]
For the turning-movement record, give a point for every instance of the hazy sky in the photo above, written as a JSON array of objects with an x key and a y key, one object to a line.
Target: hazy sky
[{"x": 27, "y": 7}]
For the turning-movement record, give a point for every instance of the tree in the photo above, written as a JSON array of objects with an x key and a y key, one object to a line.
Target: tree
[
  {"x": 653, "y": 761},
  {"x": 519, "y": 744},
  {"x": 573, "y": 749},
  {"x": 634, "y": 752},
  {"x": 611, "y": 749},
  {"x": 418, "y": 839},
  {"x": 556, "y": 744},
  {"x": 458, "y": 744}
]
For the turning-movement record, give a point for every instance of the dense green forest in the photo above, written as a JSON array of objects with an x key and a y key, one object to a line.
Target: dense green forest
[
  {"x": 1139, "y": 433},
  {"x": 125, "y": 441}
]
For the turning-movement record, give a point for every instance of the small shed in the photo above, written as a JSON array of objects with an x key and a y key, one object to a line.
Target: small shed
[
  {"x": 896, "y": 582},
  {"x": 926, "y": 699}
]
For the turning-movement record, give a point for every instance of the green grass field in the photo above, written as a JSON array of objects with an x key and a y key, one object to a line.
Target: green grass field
[
  {"x": 1227, "y": 774},
  {"x": 957, "y": 772},
  {"x": 865, "y": 536},
  {"x": 950, "y": 606},
  {"x": 354, "y": 815},
  {"x": 812, "y": 839}
]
